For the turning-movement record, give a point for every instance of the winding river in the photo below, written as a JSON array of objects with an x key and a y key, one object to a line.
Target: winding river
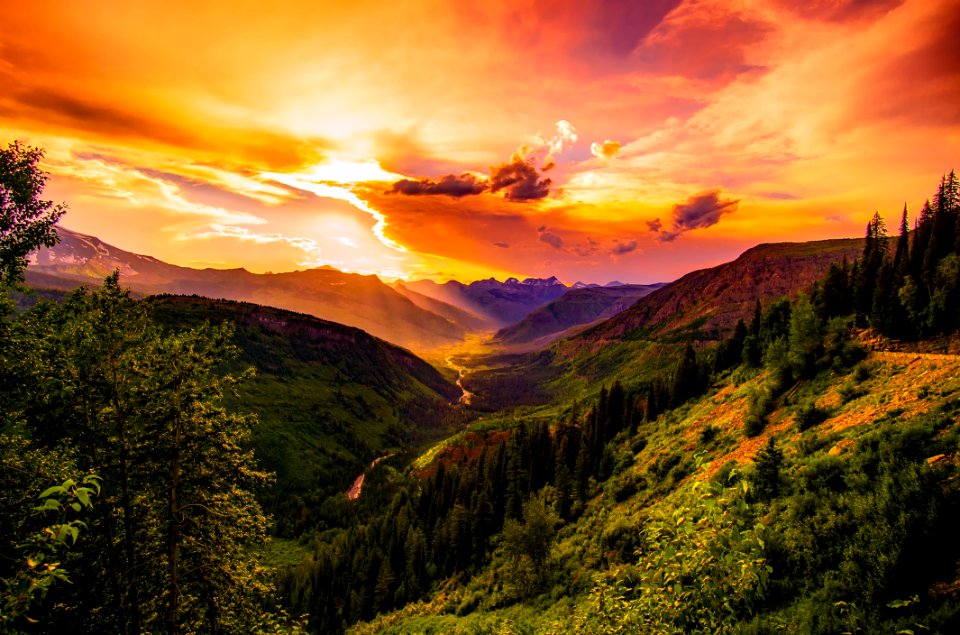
[{"x": 467, "y": 395}]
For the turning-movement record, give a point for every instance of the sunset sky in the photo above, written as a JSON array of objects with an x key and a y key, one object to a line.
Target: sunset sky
[{"x": 593, "y": 141}]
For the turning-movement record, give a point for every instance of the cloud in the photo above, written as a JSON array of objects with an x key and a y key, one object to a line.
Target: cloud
[
  {"x": 620, "y": 248},
  {"x": 519, "y": 180},
  {"x": 841, "y": 10},
  {"x": 546, "y": 149},
  {"x": 697, "y": 212},
  {"x": 607, "y": 149},
  {"x": 705, "y": 42},
  {"x": 619, "y": 26},
  {"x": 566, "y": 136},
  {"x": 551, "y": 239},
  {"x": 701, "y": 210},
  {"x": 216, "y": 230},
  {"x": 502, "y": 245},
  {"x": 465, "y": 184}
]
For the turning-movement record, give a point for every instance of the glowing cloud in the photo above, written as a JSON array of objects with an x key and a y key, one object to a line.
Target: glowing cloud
[
  {"x": 305, "y": 182},
  {"x": 606, "y": 149}
]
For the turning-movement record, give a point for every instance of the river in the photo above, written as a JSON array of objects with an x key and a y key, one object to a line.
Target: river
[
  {"x": 467, "y": 395},
  {"x": 354, "y": 492}
]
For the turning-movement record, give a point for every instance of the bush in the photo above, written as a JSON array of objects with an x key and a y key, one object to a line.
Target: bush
[
  {"x": 760, "y": 403},
  {"x": 810, "y": 415},
  {"x": 701, "y": 568}
]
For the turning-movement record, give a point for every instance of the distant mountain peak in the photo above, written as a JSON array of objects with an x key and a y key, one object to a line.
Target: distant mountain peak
[{"x": 541, "y": 282}]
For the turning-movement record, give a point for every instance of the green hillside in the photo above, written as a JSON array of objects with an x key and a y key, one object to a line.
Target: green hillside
[{"x": 329, "y": 397}]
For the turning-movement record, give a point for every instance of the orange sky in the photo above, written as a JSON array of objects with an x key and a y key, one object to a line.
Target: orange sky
[{"x": 593, "y": 141}]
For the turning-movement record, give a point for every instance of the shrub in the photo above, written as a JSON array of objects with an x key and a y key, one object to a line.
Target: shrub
[{"x": 810, "y": 415}]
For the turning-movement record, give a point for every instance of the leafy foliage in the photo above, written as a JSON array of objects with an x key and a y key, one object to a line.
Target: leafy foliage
[
  {"x": 42, "y": 552},
  {"x": 701, "y": 567},
  {"x": 26, "y": 221}
]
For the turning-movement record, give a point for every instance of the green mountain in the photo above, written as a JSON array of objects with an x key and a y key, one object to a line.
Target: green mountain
[
  {"x": 797, "y": 473},
  {"x": 329, "y": 397}
]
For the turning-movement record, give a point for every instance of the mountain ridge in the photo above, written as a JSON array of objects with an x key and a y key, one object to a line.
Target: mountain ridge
[
  {"x": 363, "y": 301},
  {"x": 719, "y": 296},
  {"x": 499, "y": 303},
  {"x": 578, "y": 307}
]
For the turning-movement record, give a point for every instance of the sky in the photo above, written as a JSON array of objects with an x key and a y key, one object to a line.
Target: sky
[{"x": 594, "y": 141}]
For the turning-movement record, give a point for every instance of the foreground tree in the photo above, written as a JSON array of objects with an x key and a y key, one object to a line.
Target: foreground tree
[
  {"x": 171, "y": 546},
  {"x": 26, "y": 220}
]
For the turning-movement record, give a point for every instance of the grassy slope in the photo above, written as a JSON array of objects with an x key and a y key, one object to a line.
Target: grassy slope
[
  {"x": 886, "y": 392},
  {"x": 329, "y": 397}
]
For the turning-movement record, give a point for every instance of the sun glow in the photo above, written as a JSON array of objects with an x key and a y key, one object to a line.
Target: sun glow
[
  {"x": 631, "y": 136},
  {"x": 335, "y": 180}
]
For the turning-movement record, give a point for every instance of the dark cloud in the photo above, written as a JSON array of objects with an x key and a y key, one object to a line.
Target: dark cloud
[
  {"x": 89, "y": 114},
  {"x": 449, "y": 185},
  {"x": 622, "y": 24},
  {"x": 701, "y": 210},
  {"x": 502, "y": 245},
  {"x": 590, "y": 249},
  {"x": 519, "y": 180},
  {"x": 551, "y": 239},
  {"x": 698, "y": 211},
  {"x": 841, "y": 10},
  {"x": 621, "y": 248}
]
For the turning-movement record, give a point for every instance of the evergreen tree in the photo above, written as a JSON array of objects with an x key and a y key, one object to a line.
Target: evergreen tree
[
  {"x": 686, "y": 379},
  {"x": 766, "y": 478}
]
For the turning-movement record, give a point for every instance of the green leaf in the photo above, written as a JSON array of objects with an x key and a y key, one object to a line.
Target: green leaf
[{"x": 50, "y": 491}]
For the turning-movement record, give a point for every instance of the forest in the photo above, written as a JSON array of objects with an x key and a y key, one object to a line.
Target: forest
[{"x": 135, "y": 504}]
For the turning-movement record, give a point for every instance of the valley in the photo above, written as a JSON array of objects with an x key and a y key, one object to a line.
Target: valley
[{"x": 765, "y": 445}]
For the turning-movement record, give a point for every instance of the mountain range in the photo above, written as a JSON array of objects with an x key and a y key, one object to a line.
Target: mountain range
[
  {"x": 357, "y": 300},
  {"x": 497, "y": 303},
  {"x": 578, "y": 307},
  {"x": 419, "y": 315}
]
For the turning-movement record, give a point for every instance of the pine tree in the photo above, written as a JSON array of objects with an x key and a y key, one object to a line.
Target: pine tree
[
  {"x": 901, "y": 258},
  {"x": 686, "y": 379}
]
